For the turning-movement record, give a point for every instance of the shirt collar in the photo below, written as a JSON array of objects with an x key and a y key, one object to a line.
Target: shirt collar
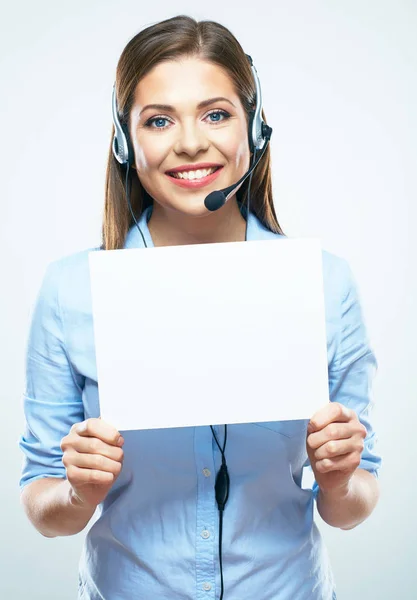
[{"x": 255, "y": 231}]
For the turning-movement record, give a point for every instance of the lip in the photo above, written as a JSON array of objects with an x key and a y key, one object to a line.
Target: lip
[
  {"x": 195, "y": 183},
  {"x": 193, "y": 167}
]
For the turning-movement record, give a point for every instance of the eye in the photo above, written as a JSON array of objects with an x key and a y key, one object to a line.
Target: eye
[
  {"x": 150, "y": 122},
  {"x": 219, "y": 113},
  {"x": 157, "y": 120}
]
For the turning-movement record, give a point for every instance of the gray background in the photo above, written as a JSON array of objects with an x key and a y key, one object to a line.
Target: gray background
[{"x": 339, "y": 87}]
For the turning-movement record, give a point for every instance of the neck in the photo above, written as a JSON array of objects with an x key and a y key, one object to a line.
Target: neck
[{"x": 172, "y": 228}]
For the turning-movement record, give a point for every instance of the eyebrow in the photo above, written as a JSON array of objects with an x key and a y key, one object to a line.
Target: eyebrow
[{"x": 202, "y": 104}]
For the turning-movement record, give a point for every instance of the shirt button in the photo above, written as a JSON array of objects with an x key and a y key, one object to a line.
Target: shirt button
[
  {"x": 206, "y": 472},
  {"x": 206, "y": 586},
  {"x": 205, "y": 534}
]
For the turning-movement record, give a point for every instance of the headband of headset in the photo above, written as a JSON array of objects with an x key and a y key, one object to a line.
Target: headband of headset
[{"x": 122, "y": 146}]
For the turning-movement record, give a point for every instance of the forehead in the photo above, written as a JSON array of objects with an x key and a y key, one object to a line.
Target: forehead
[{"x": 191, "y": 79}]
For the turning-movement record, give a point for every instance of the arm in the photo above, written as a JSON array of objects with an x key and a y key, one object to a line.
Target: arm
[
  {"x": 349, "y": 506},
  {"x": 52, "y": 404},
  {"x": 53, "y": 509},
  {"x": 70, "y": 464},
  {"x": 341, "y": 440}
]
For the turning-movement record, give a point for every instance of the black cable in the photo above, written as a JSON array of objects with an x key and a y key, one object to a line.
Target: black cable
[
  {"x": 248, "y": 197},
  {"x": 222, "y": 493},
  {"x": 128, "y": 189},
  {"x": 217, "y": 441},
  {"x": 220, "y": 554}
]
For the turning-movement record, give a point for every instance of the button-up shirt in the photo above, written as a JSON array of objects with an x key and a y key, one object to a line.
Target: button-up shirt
[{"x": 156, "y": 533}]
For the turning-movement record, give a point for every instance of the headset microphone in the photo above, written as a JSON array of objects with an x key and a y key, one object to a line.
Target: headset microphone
[{"x": 218, "y": 198}]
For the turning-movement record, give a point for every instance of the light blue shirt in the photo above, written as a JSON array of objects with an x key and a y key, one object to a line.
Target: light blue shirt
[{"x": 156, "y": 533}]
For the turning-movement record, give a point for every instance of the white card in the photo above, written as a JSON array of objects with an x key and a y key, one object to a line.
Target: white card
[{"x": 210, "y": 334}]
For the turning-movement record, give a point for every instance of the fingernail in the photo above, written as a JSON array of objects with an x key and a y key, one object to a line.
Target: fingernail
[
  {"x": 120, "y": 441},
  {"x": 82, "y": 427}
]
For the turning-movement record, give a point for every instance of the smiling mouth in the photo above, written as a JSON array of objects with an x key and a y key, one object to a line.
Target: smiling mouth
[
  {"x": 193, "y": 175},
  {"x": 201, "y": 180}
]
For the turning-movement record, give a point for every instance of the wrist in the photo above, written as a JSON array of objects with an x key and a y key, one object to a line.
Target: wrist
[
  {"x": 338, "y": 493},
  {"x": 77, "y": 502}
]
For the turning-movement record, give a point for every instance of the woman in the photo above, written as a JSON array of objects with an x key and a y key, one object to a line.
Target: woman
[{"x": 185, "y": 91}]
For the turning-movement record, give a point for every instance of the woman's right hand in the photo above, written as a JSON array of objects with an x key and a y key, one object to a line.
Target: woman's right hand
[{"x": 93, "y": 458}]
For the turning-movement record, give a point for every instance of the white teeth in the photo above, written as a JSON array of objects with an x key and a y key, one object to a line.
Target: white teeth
[{"x": 199, "y": 174}]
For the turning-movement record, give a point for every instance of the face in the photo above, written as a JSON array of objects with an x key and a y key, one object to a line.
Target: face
[{"x": 185, "y": 132}]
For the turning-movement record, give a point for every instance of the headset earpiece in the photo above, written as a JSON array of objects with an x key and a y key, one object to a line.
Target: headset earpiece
[
  {"x": 259, "y": 132},
  {"x": 250, "y": 128},
  {"x": 122, "y": 146}
]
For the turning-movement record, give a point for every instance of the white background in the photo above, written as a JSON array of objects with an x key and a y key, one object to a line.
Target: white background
[{"x": 340, "y": 91}]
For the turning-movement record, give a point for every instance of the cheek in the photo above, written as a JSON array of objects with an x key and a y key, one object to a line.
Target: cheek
[
  {"x": 141, "y": 157},
  {"x": 235, "y": 148},
  {"x": 242, "y": 154},
  {"x": 149, "y": 155},
  {"x": 238, "y": 148}
]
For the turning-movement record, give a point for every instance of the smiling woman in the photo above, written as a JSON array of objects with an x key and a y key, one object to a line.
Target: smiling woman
[
  {"x": 185, "y": 100},
  {"x": 186, "y": 109}
]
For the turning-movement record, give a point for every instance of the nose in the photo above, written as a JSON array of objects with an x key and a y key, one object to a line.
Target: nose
[{"x": 191, "y": 139}]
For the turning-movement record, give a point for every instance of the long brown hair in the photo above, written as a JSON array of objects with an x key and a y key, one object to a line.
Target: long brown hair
[{"x": 173, "y": 38}]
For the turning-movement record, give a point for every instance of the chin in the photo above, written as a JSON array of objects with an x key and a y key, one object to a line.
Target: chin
[{"x": 193, "y": 205}]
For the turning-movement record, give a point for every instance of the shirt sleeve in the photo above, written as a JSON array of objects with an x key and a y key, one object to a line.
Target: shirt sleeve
[
  {"x": 352, "y": 371},
  {"x": 52, "y": 398}
]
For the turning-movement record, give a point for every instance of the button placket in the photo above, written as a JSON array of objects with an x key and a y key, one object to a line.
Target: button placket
[{"x": 206, "y": 515}]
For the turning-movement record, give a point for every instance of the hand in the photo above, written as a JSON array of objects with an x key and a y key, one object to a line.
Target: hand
[
  {"x": 93, "y": 459},
  {"x": 335, "y": 441}
]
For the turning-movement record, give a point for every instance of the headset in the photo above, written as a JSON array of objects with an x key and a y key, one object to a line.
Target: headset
[{"x": 259, "y": 134}]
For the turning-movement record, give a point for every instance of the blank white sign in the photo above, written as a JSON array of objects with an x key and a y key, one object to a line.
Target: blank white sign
[{"x": 209, "y": 334}]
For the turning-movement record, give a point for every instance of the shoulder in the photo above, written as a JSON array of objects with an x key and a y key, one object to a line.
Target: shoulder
[
  {"x": 337, "y": 275},
  {"x": 71, "y": 268},
  {"x": 338, "y": 284},
  {"x": 75, "y": 262},
  {"x": 338, "y": 281},
  {"x": 68, "y": 278}
]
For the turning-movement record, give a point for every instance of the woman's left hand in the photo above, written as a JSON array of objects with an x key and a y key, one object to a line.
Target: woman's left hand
[{"x": 335, "y": 441}]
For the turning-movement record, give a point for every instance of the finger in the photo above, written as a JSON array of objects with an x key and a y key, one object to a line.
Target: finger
[
  {"x": 334, "y": 411},
  {"x": 99, "y": 429},
  {"x": 348, "y": 462},
  {"x": 339, "y": 448},
  {"x": 79, "y": 476},
  {"x": 87, "y": 445},
  {"x": 92, "y": 461},
  {"x": 334, "y": 431}
]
